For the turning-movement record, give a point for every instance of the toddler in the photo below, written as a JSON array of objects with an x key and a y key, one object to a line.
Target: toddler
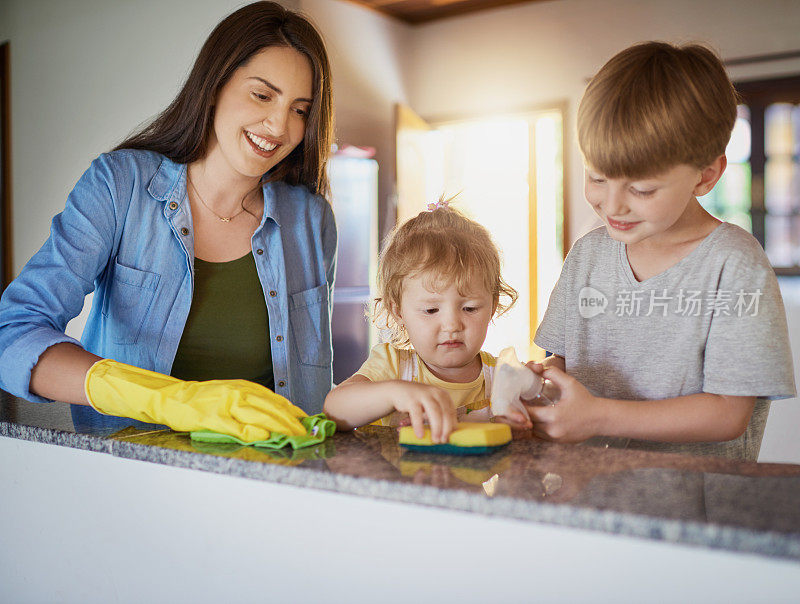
[{"x": 439, "y": 287}]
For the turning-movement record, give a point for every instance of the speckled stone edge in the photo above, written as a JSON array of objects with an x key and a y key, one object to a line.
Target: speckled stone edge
[{"x": 715, "y": 536}]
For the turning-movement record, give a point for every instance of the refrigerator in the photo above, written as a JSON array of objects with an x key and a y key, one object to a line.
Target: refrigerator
[{"x": 354, "y": 196}]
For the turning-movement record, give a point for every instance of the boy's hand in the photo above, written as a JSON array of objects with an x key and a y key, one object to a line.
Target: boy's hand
[
  {"x": 574, "y": 418},
  {"x": 423, "y": 402}
]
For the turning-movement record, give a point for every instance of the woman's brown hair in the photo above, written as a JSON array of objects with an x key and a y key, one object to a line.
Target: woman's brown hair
[{"x": 181, "y": 131}]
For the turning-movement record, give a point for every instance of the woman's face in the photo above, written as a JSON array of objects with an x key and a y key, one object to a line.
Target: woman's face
[{"x": 260, "y": 113}]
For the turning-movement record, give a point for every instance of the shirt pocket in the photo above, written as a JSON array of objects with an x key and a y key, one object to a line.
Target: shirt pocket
[
  {"x": 311, "y": 326},
  {"x": 127, "y": 303}
]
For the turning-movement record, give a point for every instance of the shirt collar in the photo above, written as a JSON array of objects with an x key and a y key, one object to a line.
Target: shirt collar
[
  {"x": 271, "y": 210},
  {"x": 169, "y": 183}
]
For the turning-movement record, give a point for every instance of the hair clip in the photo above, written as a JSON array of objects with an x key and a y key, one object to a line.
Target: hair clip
[{"x": 442, "y": 203}]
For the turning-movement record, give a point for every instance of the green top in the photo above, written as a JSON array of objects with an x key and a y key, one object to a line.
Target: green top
[{"x": 227, "y": 332}]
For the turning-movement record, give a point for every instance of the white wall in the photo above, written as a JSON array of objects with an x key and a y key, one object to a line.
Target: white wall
[
  {"x": 781, "y": 443},
  {"x": 85, "y": 73},
  {"x": 516, "y": 57},
  {"x": 369, "y": 60}
]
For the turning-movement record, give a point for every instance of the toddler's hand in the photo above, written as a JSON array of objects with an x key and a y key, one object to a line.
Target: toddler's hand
[
  {"x": 423, "y": 402},
  {"x": 515, "y": 419},
  {"x": 535, "y": 366}
]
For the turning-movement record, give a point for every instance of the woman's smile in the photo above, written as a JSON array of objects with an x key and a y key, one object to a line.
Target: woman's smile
[{"x": 262, "y": 146}]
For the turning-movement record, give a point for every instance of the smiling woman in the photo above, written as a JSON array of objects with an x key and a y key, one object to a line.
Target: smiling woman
[{"x": 196, "y": 234}]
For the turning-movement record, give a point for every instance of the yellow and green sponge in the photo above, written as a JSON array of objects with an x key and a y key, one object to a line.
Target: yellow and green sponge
[{"x": 468, "y": 438}]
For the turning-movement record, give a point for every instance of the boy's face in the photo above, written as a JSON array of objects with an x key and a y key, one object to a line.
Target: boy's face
[
  {"x": 447, "y": 329},
  {"x": 637, "y": 209}
]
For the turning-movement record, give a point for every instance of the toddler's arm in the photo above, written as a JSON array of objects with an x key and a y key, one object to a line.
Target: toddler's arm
[
  {"x": 358, "y": 401},
  {"x": 702, "y": 417}
]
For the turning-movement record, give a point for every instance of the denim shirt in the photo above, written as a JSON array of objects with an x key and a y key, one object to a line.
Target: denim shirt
[{"x": 126, "y": 233}]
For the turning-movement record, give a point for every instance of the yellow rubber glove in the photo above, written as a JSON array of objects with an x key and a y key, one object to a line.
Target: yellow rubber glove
[{"x": 240, "y": 408}]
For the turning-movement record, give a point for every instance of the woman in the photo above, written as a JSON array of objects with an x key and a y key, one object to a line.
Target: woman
[{"x": 206, "y": 239}]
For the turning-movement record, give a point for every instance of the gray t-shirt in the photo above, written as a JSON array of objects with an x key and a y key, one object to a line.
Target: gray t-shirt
[{"x": 714, "y": 322}]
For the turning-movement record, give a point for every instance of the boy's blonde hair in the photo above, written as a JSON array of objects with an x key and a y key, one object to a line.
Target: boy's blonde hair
[
  {"x": 449, "y": 246},
  {"x": 654, "y": 106}
]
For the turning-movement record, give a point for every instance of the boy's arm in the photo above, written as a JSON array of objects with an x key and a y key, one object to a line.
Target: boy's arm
[
  {"x": 579, "y": 415},
  {"x": 358, "y": 401}
]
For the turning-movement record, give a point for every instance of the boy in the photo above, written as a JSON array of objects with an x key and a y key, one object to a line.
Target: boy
[{"x": 666, "y": 325}]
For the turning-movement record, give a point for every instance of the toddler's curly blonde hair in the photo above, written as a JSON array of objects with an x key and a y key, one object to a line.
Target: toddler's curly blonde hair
[{"x": 446, "y": 245}]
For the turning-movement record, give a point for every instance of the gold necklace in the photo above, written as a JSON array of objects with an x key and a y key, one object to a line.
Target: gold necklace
[{"x": 221, "y": 218}]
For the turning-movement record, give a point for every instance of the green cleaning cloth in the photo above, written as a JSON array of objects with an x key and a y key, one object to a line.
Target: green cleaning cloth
[{"x": 318, "y": 428}]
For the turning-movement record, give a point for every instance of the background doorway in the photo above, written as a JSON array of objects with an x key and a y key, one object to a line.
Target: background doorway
[{"x": 508, "y": 173}]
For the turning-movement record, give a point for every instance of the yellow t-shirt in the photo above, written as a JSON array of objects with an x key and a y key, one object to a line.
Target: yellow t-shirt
[{"x": 384, "y": 363}]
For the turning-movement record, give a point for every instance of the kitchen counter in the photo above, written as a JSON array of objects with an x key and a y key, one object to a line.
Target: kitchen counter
[{"x": 699, "y": 501}]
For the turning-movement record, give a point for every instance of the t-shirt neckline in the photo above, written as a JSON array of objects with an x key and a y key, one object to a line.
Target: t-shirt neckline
[
  {"x": 622, "y": 250},
  {"x": 436, "y": 381}
]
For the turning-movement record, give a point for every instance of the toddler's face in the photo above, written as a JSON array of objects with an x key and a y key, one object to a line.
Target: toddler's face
[
  {"x": 446, "y": 329},
  {"x": 634, "y": 210}
]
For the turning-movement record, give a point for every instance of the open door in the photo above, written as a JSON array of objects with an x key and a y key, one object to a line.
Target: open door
[
  {"x": 513, "y": 186},
  {"x": 414, "y": 150}
]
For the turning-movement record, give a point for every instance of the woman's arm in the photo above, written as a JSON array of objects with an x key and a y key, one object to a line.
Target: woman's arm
[
  {"x": 358, "y": 401},
  {"x": 60, "y": 373},
  {"x": 51, "y": 288}
]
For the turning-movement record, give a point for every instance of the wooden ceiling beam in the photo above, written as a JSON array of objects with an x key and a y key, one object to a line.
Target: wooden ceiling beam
[{"x": 415, "y": 12}]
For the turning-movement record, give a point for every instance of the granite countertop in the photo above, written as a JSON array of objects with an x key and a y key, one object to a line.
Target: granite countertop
[{"x": 703, "y": 501}]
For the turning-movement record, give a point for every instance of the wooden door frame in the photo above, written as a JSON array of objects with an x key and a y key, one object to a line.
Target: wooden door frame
[
  {"x": 5, "y": 165},
  {"x": 757, "y": 95}
]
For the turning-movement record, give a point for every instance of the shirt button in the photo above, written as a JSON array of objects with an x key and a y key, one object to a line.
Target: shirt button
[
  {"x": 279, "y": 338},
  {"x": 281, "y": 383},
  {"x": 273, "y": 293},
  {"x": 173, "y": 206},
  {"x": 259, "y": 252},
  {"x": 184, "y": 231}
]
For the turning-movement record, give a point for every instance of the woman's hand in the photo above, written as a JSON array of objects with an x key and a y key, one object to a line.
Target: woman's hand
[
  {"x": 239, "y": 408},
  {"x": 574, "y": 418},
  {"x": 423, "y": 402}
]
